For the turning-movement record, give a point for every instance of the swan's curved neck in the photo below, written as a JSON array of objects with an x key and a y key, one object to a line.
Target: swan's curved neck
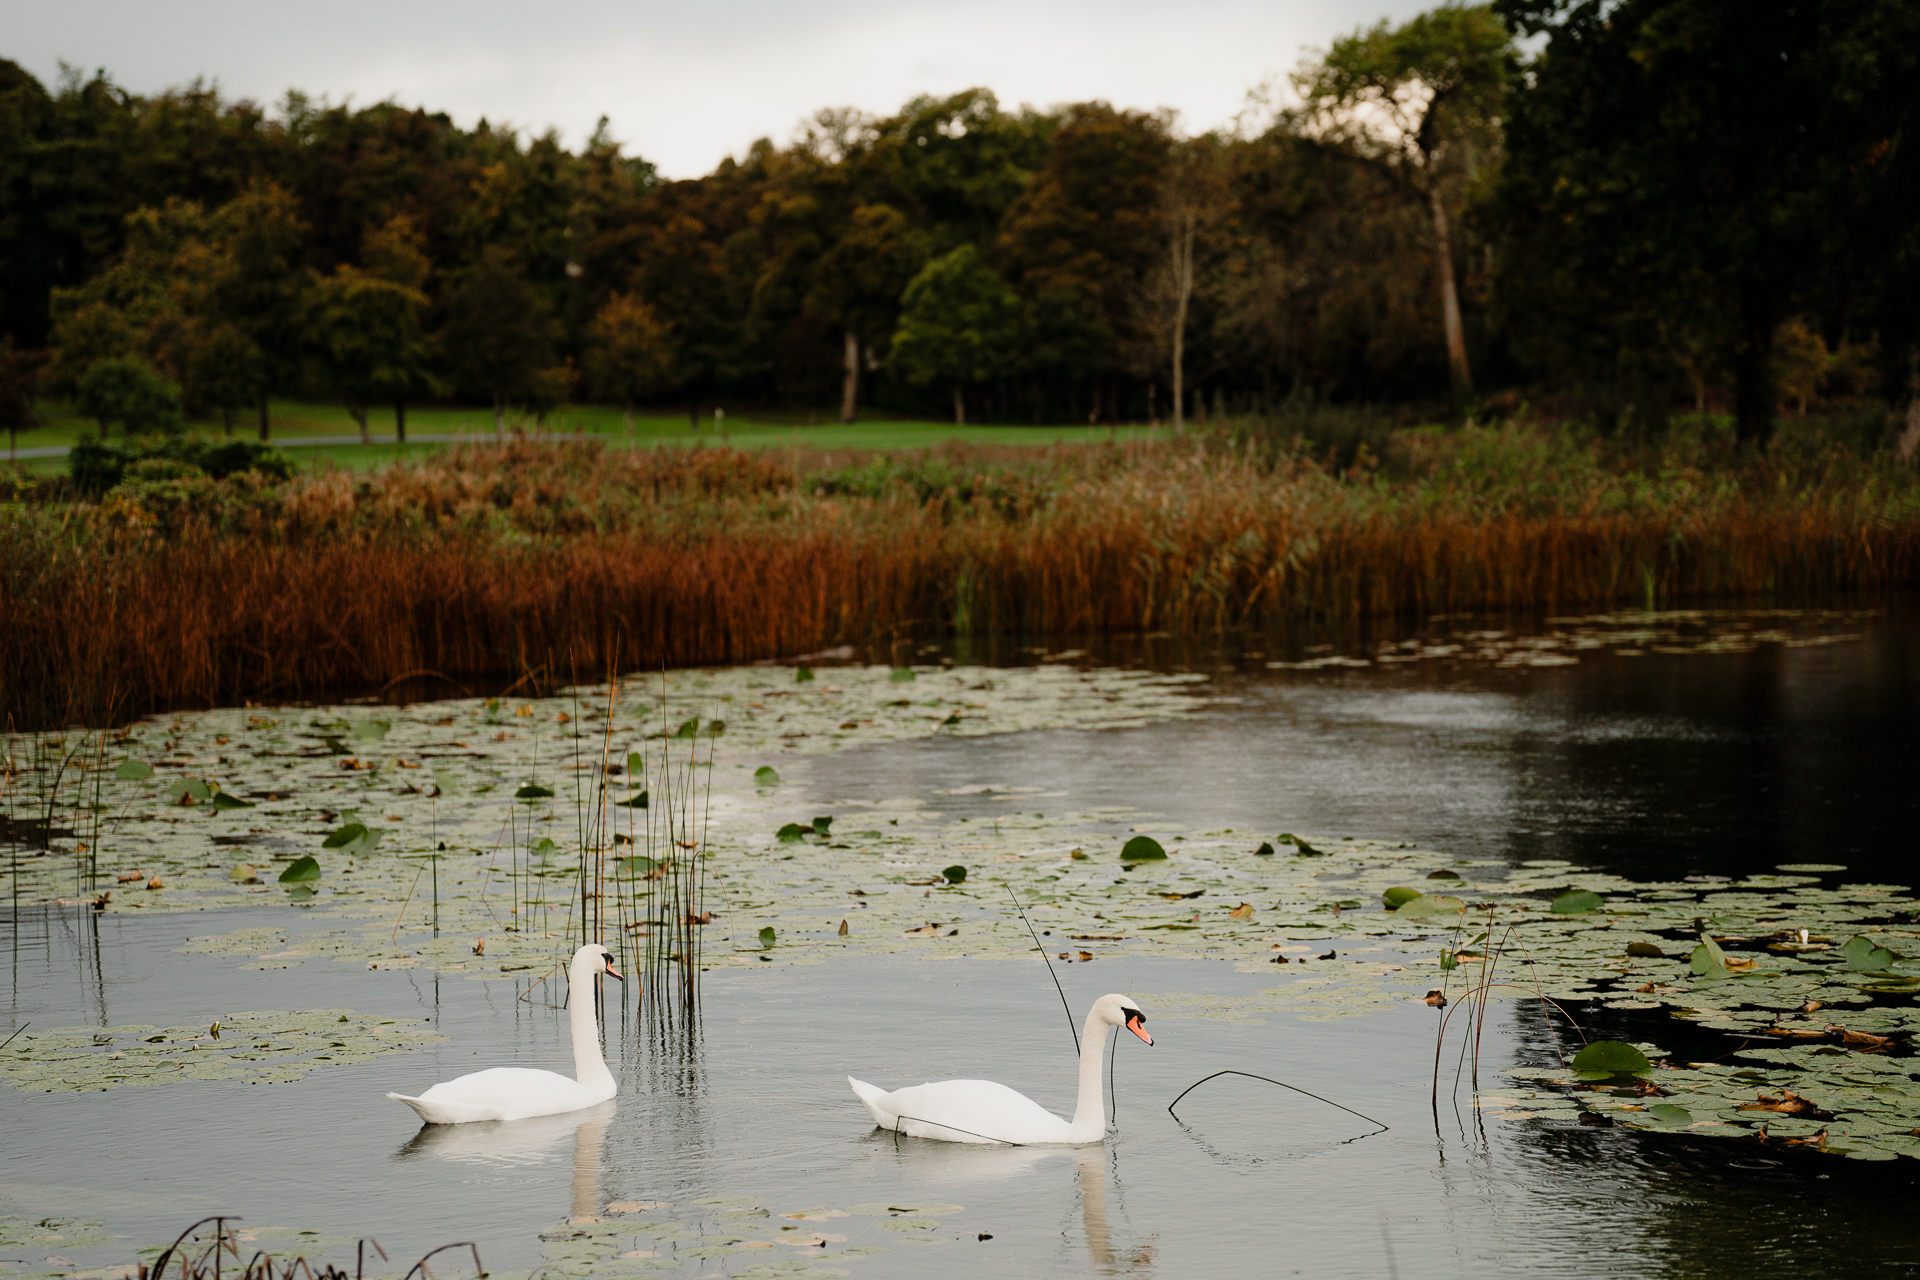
[
  {"x": 589, "y": 1064},
  {"x": 1090, "y": 1113}
]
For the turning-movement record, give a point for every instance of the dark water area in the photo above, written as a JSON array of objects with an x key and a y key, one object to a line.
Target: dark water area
[
  {"x": 1653, "y": 766},
  {"x": 1650, "y": 767}
]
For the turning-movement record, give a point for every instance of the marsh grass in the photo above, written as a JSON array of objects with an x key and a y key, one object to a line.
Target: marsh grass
[{"x": 477, "y": 566}]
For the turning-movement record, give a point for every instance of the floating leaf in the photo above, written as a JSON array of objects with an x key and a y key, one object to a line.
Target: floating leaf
[
  {"x": 244, "y": 874},
  {"x": 765, "y": 776},
  {"x": 1708, "y": 960},
  {"x": 955, "y": 874},
  {"x": 302, "y": 870},
  {"x": 636, "y": 801},
  {"x": 822, "y": 825},
  {"x": 1141, "y": 849},
  {"x": 636, "y": 763},
  {"x": 221, "y": 800},
  {"x": 637, "y": 865},
  {"x": 1399, "y": 895},
  {"x": 900, "y": 675},
  {"x": 1646, "y": 950},
  {"x": 133, "y": 771},
  {"x": 1264, "y": 851},
  {"x": 715, "y": 728},
  {"x": 802, "y": 674},
  {"x": 1301, "y": 848},
  {"x": 1430, "y": 904},
  {"x": 1576, "y": 902},
  {"x": 370, "y": 730},
  {"x": 190, "y": 791},
  {"x": 1610, "y": 1057},
  {"x": 792, "y": 832},
  {"x": 687, "y": 728},
  {"x": 1666, "y": 1113},
  {"x": 766, "y": 936},
  {"x": 533, "y": 791},
  {"x": 1864, "y": 954}
]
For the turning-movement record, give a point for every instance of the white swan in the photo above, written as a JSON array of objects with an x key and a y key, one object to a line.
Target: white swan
[
  {"x": 518, "y": 1093},
  {"x": 982, "y": 1111}
]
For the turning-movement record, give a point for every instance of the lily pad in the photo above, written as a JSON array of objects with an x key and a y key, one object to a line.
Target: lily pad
[
  {"x": 302, "y": 870},
  {"x": 1576, "y": 902},
  {"x": 1610, "y": 1057},
  {"x": 1141, "y": 849}
]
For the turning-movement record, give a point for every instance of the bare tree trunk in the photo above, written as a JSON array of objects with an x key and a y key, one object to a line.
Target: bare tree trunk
[
  {"x": 1461, "y": 376},
  {"x": 1906, "y": 445},
  {"x": 265, "y": 434},
  {"x": 359, "y": 417},
  {"x": 1183, "y": 289},
  {"x": 959, "y": 405},
  {"x": 850, "y": 381},
  {"x": 399, "y": 420}
]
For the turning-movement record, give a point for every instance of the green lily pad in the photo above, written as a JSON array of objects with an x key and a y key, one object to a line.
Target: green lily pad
[
  {"x": 533, "y": 791},
  {"x": 766, "y": 776},
  {"x": 900, "y": 675},
  {"x": 1141, "y": 849},
  {"x": 1610, "y": 1057},
  {"x": 1864, "y": 954},
  {"x": 302, "y": 870},
  {"x": 133, "y": 771},
  {"x": 1431, "y": 904},
  {"x": 766, "y": 936},
  {"x": 955, "y": 874},
  {"x": 1576, "y": 902},
  {"x": 221, "y": 800},
  {"x": 1400, "y": 895}
]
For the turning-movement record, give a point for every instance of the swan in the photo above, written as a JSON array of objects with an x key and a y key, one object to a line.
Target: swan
[
  {"x": 518, "y": 1093},
  {"x": 982, "y": 1111}
]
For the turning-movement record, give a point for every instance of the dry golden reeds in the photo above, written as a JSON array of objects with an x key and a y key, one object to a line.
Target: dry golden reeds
[{"x": 487, "y": 566}]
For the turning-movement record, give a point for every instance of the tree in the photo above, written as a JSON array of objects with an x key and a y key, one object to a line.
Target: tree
[
  {"x": 260, "y": 283},
  {"x": 631, "y": 356},
  {"x": 365, "y": 336},
  {"x": 127, "y": 392},
  {"x": 19, "y": 373},
  {"x": 959, "y": 324},
  {"x": 860, "y": 280},
  {"x": 1422, "y": 102},
  {"x": 499, "y": 333},
  {"x": 1687, "y": 174}
]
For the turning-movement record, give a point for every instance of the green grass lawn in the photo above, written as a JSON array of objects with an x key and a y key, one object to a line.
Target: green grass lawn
[{"x": 296, "y": 420}]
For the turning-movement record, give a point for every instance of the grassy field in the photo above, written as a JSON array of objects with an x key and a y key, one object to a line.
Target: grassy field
[{"x": 295, "y": 422}]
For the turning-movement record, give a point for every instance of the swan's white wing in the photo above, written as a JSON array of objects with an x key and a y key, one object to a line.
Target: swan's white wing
[
  {"x": 973, "y": 1111},
  {"x": 501, "y": 1093}
]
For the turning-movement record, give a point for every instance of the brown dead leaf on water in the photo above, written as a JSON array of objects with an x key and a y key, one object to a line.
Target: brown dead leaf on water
[
  {"x": 1175, "y": 897},
  {"x": 1086, "y": 955},
  {"x": 924, "y": 931},
  {"x": 843, "y": 928},
  {"x": 1242, "y": 912},
  {"x": 1099, "y": 937},
  {"x": 479, "y": 946},
  {"x": 1437, "y": 998},
  {"x": 156, "y": 883},
  {"x": 128, "y": 877},
  {"x": 1864, "y": 1041}
]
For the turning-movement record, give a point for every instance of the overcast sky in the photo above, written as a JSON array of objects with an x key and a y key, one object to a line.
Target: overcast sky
[{"x": 686, "y": 84}]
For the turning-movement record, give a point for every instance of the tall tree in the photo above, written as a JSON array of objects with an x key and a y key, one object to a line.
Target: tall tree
[
  {"x": 366, "y": 338},
  {"x": 261, "y": 282},
  {"x": 630, "y": 356},
  {"x": 1689, "y": 173},
  {"x": 1423, "y": 102},
  {"x": 498, "y": 335},
  {"x": 959, "y": 325}
]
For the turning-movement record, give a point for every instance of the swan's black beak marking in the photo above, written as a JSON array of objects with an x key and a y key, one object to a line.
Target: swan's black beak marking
[{"x": 1135, "y": 1019}]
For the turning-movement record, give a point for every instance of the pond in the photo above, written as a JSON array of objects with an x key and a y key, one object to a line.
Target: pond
[{"x": 1672, "y": 770}]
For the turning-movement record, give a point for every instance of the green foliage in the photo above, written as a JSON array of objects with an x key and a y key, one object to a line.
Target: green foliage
[
  {"x": 1141, "y": 849},
  {"x": 96, "y": 466},
  {"x": 302, "y": 870},
  {"x": 959, "y": 324},
  {"x": 125, "y": 392},
  {"x": 1576, "y": 902}
]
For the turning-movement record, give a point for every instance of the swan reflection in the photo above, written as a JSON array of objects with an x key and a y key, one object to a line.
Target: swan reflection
[{"x": 540, "y": 1140}]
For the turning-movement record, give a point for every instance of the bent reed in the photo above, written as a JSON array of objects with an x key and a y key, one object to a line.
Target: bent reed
[{"x": 484, "y": 563}]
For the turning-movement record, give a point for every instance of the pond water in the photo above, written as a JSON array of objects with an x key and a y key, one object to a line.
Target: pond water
[{"x": 1651, "y": 767}]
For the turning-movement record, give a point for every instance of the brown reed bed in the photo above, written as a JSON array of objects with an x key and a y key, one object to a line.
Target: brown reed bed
[{"x": 545, "y": 561}]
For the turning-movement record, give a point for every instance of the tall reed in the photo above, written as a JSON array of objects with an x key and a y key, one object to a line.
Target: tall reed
[{"x": 476, "y": 568}]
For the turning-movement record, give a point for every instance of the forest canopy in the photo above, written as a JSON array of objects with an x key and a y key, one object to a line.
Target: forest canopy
[{"x": 1623, "y": 209}]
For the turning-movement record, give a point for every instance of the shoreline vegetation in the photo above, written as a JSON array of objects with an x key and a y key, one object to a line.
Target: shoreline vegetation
[{"x": 543, "y": 560}]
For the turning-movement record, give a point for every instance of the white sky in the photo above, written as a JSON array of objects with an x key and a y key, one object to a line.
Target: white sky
[{"x": 687, "y": 84}]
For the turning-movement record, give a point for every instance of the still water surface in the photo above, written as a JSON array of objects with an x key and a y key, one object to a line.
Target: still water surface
[{"x": 1655, "y": 766}]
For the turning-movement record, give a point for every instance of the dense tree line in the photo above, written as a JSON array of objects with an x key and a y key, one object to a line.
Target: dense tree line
[{"x": 1673, "y": 200}]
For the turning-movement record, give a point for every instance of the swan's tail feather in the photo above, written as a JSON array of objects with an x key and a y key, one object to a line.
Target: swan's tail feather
[
  {"x": 415, "y": 1103},
  {"x": 875, "y": 1100}
]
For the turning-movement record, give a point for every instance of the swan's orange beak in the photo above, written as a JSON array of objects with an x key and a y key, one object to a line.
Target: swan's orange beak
[
  {"x": 1134, "y": 1024},
  {"x": 613, "y": 971}
]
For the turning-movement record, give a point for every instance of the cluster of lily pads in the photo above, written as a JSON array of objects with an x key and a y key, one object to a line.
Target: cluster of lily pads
[
  {"x": 501, "y": 822},
  {"x": 259, "y": 1047},
  {"x": 1622, "y": 635}
]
